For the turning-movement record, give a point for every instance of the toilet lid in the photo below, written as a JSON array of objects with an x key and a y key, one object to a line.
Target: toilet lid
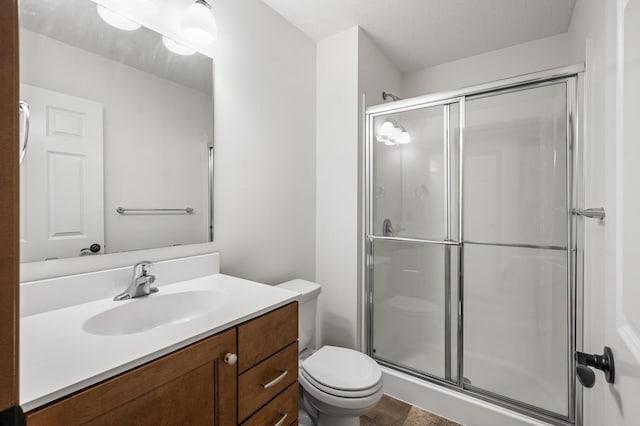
[{"x": 342, "y": 369}]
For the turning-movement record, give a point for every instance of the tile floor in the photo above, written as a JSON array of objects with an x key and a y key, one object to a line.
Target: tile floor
[{"x": 392, "y": 412}]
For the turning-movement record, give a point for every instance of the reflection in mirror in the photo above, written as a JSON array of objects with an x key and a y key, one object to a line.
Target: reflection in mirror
[{"x": 121, "y": 132}]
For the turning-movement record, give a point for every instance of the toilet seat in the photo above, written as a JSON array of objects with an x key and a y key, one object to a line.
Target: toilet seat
[
  {"x": 338, "y": 405},
  {"x": 337, "y": 392},
  {"x": 341, "y": 372}
]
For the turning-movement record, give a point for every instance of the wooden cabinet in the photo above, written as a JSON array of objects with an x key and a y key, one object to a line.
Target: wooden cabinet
[{"x": 195, "y": 386}]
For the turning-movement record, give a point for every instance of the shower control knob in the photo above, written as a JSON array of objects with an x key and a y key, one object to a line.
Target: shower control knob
[
  {"x": 602, "y": 362},
  {"x": 230, "y": 358}
]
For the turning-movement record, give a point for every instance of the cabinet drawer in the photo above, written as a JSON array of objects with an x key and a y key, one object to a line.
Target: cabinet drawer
[
  {"x": 266, "y": 335},
  {"x": 266, "y": 380},
  {"x": 283, "y": 408}
]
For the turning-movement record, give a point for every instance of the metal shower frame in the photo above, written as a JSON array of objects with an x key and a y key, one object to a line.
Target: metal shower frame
[{"x": 573, "y": 77}]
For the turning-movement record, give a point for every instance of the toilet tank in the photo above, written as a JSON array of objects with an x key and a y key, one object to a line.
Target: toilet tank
[{"x": 307, "y": 303}]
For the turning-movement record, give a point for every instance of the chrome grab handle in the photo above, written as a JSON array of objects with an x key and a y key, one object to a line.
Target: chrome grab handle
[
  {"x": 276, "y": 380},
  {"x": 595, "y": 213},
  {"x": 24, "y": 108},
  {"x": 282, "y": 419},
  {"x": 122, "y": 210}
]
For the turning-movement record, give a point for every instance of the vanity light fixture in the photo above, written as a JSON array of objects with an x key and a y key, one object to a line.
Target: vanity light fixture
[
  {"x": 177, "y": 48},
  {"x": 198, "y": 23},
  {"x": 116, "y": 20}
]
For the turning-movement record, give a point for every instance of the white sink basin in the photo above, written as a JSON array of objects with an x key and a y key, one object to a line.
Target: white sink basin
[{"x": 149, "y": 312}]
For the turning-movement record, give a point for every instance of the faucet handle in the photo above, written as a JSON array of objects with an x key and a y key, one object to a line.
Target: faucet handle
[{"x": 143, "y": 267}]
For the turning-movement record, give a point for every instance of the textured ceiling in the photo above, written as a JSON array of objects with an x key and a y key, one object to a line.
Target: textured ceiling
[{"x": 415, "y": 34}]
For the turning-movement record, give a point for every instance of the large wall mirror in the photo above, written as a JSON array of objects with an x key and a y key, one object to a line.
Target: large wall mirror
[{"x": 120, "y": 135}]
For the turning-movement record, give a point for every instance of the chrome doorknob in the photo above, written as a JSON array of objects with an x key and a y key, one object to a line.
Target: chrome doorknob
[{"x": 230, "y": 358}]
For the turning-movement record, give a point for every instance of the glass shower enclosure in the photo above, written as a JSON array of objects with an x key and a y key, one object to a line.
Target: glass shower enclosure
[{"x": 470, "y": 250}]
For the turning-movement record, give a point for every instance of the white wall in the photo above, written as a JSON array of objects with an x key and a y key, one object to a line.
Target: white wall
[
  {"x": 537, "y": 55},
  {"x": 351, "y": 74},
  {"x": 337, "y": 188},
  {"x": 155, "y": 140},
  {"x": 264, "y": 137},
  {"x": 376, "y": 73}
]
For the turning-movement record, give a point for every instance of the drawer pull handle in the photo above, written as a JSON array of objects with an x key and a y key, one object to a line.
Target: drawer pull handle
[
  {"x": 282, "y": 419},
  {"x": 276, "y": 380},
  {"x": 230, "y": 358}
]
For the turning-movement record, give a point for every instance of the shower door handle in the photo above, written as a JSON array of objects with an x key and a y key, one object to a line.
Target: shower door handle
[
  {"x": 596, "y": 213},
  {"x": 602, "y": 362}
]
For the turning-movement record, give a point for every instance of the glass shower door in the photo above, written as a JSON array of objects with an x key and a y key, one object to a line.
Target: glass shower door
[
  {"x": 515, "y": 237},
  {"x": 472, "y": 264},
  {"x": 413, "y": 253}
]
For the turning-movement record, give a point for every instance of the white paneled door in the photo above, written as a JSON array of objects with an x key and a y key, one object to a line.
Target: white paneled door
[
  {"x": 61, "y": 190},
  {"x": 622, "y": 279}
]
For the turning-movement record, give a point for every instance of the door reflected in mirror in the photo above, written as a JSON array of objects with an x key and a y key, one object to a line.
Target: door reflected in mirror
[{"x": 121, "y": 130}]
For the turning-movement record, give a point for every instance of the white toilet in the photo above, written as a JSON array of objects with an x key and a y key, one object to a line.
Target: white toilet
[{"x": 337, "y": 385}]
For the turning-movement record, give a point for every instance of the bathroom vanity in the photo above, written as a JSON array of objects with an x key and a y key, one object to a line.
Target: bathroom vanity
[{"x": 235, "y": 363}]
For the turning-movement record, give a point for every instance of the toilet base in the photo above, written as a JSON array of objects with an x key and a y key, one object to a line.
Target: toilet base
[
  {"x": 304, "y": 419},
  {"x": 326, "y": 420},
  {"x": 326, "y": 414},
  {"x": 307, "y": 413}
]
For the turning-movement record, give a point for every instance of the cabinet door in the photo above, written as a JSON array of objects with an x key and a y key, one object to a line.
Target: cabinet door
[
  {"x": 191, "y": 386},
  {"x": 188, "y": 400}
]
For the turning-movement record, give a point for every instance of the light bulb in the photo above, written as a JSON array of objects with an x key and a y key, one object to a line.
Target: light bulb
[
  {"x": 116, "y": 20},
  {"x": 198, "y": 23},
  {"x": 386, "y": 129},
  {"x": 405, "y": 137},
  {"x": 145, "y": 7},
  {"x": 177, "y": 48},
  {"x": 396, "y": 134}
]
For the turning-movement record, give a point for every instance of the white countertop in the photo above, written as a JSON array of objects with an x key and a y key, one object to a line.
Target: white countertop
[{"x": 58, "y": 357}]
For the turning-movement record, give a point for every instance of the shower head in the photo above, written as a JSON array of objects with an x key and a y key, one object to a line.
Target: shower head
[{"x": 387, "y": 95}]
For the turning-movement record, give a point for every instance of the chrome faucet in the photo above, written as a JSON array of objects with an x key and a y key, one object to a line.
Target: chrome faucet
[{"x": 140, "y": 282}]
